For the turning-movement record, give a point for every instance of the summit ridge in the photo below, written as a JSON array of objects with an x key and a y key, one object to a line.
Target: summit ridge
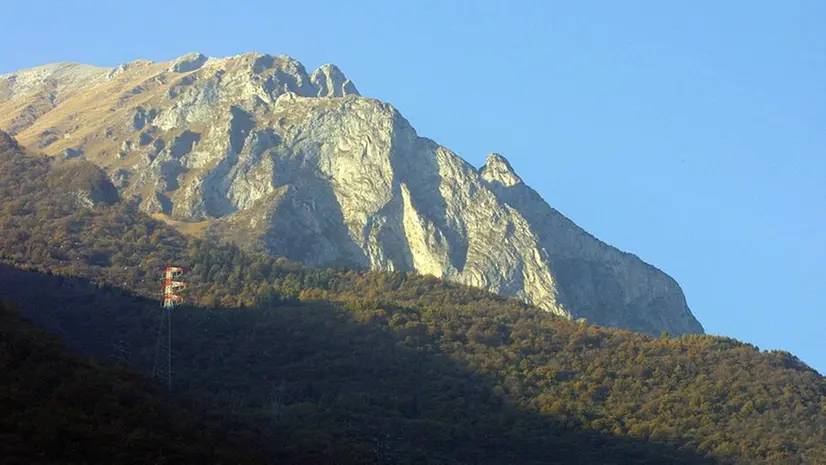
[{"x": 257, "y": 151}]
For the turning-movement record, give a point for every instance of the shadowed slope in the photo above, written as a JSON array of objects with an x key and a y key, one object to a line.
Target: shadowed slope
[{"x": 60, "y": 408}]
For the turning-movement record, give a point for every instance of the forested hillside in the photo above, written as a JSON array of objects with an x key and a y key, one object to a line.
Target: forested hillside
[
  {"x": 60, "y": 408},
  {"x": 339, "y": 366}
]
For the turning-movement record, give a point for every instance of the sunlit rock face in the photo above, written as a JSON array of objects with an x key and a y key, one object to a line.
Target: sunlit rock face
[{"x": 298, "y": 164}]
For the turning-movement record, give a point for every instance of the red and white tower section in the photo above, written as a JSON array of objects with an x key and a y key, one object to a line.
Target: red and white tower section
[
  {"x": 162, "y": 369},
  {"x": 171, "y": 286}
]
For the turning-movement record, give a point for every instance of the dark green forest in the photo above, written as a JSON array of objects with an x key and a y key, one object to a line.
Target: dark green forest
[
  {"x": 343, "y": 366},
  {"x": 61, "y": 408}
]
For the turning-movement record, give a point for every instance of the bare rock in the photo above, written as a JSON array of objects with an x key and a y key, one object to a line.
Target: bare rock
[
  {"x": 302, "y": 166},
  {"x": 331, "y": 82},
  {"x": 188, "y": 63}
]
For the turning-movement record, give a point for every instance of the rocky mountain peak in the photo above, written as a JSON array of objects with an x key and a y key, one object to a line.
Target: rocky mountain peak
[
  {"x": 257, "y": 151},
  {"x": 188, "y": 62},
  {"x": 498, "y": 170},
  {"x": 331, "y": 82}
]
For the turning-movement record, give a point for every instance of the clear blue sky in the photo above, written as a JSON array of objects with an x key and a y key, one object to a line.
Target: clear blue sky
[{"x": 692, "y": 135}]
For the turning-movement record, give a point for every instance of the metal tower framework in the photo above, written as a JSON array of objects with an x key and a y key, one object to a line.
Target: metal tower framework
[{"x": 162, "y": 369}]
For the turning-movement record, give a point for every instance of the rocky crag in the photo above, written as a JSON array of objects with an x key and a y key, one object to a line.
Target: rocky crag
[{"x": 256, "y": 150}]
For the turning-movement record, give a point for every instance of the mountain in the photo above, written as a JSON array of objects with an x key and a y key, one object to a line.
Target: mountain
[
  {"x": 350, "y": 367},
  {"x": 254, "y": 149}
]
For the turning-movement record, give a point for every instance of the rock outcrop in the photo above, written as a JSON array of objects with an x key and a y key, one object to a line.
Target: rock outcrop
[
  {"x": 85, "y": 182},
  {"x": 331, "y": 82},
  {"x": 300, "y": 165}
]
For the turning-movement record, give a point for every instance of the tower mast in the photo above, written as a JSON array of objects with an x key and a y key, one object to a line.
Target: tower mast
[{"x": 162, "y": 368}]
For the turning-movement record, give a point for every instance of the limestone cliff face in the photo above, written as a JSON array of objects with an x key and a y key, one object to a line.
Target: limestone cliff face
[{"x": 298, "y": 164}]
